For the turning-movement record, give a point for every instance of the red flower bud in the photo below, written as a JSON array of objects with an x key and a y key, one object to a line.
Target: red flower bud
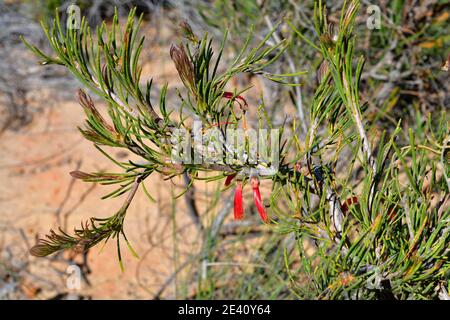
[
  {"x": 229, "y": 95},
  {"x": 257, "y": 199},
  {"x": 238, "y": 207},
  {"x": 229, "y": 179},
  {"x": 347, "y": 203},
  {"x": 392, "y": 214}
]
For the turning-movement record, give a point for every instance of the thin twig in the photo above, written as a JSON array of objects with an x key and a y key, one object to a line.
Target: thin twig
[
  {"x": 191, "y": 204},
  {"x": 298, "y": 92}
]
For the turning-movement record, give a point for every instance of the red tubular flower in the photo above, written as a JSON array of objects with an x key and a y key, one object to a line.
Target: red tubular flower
[
  {"x": 238, "y": 207},
  {"x": 257, "y": 199}
]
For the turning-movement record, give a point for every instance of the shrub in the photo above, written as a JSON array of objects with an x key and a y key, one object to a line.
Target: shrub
[{"x": 375, "y": 204}]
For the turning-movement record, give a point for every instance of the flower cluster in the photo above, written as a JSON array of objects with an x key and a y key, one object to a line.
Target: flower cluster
[{"x": 238, "y": 198}]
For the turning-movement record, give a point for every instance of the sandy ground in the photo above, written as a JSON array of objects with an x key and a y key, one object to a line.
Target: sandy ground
[{"x": 37, "y": 193}]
